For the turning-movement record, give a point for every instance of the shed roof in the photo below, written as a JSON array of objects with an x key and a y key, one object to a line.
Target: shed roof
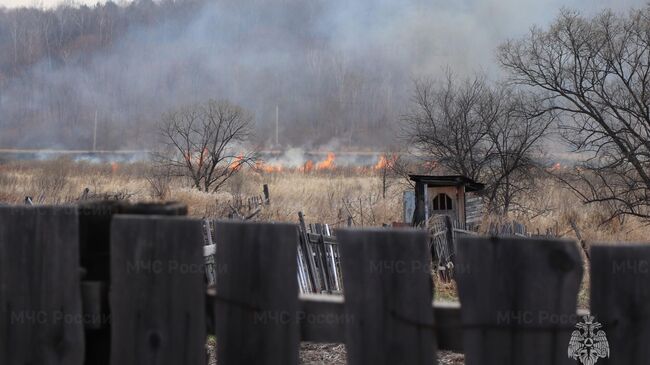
[{"x": 448, "y": 180}]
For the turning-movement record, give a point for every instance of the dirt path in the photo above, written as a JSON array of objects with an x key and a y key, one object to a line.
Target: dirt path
[{"x": 333, "y": 354}]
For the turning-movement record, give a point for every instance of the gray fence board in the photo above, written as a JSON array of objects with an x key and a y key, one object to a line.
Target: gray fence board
[
  {"x": 518, "y": 299},
  {"x": 388, "y": 296},
  {"x": 40, "y": 300},
  {"x": 322, "y": 318},
  {"x": 518, "y": 295},
  {"x": 158, "y": 291},
  {"x": 257, "y": 294},
  {"x": 620, "y": 300}
]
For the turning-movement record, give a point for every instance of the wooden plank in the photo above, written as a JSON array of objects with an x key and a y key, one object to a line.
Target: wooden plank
[
  {"x": 451, "y": 243},
  {"x": 94, "y": 237},
  {"x": 518, "y": 299},
  {"x": 40, "y": 301},
  {"x": 420, "y": 212},
  {"x": 332, "y": 266},
  {"x": 94, "y": 240},
  {"x": 449, "y": 331},
  {"x": 308, "y": 253},
  {"x": 408, "y": 206},
  {"x": 95, "y": 245},
  {"x": 257, "y": 294},
  {"x": 303, "y": 274},
  {"x": 322, "y": 318},
  {"x": 620, "y": 300},
  {"x": 322, "y": 262},
  {"x": 158, "y": 291},
  {"x": 330, "y": 240},
  {"x": 388, "y": 286},
  {"x": 167, "y": 208}
]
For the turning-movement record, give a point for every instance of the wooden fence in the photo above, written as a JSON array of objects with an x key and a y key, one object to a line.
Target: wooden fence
[
  {"x": 518, "y": 296},
  {"x": 319, "y": 261}
]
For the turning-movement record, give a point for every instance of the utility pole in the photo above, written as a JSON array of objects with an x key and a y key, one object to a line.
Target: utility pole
[
  {"x": 95, "y": 133},
  {"x": 277, "y": 122}
]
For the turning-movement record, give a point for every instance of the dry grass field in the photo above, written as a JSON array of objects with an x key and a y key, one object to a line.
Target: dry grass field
[
  {"x": 327, "y": 196},
  {"x": 324, "y": 196}
]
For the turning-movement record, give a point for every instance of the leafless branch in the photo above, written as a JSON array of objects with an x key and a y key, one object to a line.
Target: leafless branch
[
  {"x": 206, "y": 143},
  {"x": 595, "y": 73}
]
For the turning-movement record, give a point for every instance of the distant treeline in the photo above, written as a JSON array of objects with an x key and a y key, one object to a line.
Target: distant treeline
[
  {"x": 68, "y": 34},
  {"x": 64, "y": 68}
]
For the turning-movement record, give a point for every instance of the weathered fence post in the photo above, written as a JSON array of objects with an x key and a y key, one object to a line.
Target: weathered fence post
[
  {"x": 257, "y": 294},
  {"x": 94, "y": 245},
  {"x": 388, "y": 295},
  {"x": 95, "y": 219},
  {"x": 451, "y": 242},
  {"x": 518, "y": 299},
  {"x": 308, "y": 252},
  {"x": 620, "y": 300},
  {"x": 40, "y": 301},
  {"x": 158, "y": 291},
  {"x": 267, "y": 195}
]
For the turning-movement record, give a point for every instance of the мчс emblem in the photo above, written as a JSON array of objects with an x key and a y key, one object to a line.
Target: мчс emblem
[{"x": 587, "y": 345}]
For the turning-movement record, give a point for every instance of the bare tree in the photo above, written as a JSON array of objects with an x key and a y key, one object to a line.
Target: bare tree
[
  {"x": 596, "y": 73},
  {"x": 488, "y": 133},
  {"x": 205, "y": 142},
  {"x": 447, "y": 123},
  {"x": 159, "y": 180},
  {"x": 514, "y": 134},
  {"x": 385, "y": 169}
]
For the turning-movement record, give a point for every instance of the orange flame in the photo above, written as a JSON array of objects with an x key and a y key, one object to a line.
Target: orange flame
[
  {"x": 197, "y": 158},
  {"x": 236, "y": 163},
  {"x": 308, "y": 166},
  {"x": 262, "y": 166},
  {"x": 384, "y": 162},
  {"x": 114, "y": 167},
  {"x": 328, "y": 163}
]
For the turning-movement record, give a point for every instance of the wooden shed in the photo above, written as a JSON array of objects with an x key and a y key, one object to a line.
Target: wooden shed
[{"x": 442, "y": 195}]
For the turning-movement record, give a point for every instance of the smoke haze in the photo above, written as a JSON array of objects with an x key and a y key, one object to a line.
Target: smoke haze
[{"x": 338, "y": 72}]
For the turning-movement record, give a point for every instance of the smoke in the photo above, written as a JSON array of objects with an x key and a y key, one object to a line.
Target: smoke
[
  {"x": 297, "y": 158},
  {"x": 335, "y": 70},
  {"x": 292, "y": 158}
]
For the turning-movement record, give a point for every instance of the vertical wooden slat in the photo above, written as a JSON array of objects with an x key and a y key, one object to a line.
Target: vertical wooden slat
[
  {"x": 518, "y": 299},
  {"x": 322, "y": 262},
  {"x": 94, "y": 247},
  {"x": 257, "y": 294},
  {"x": 94, "y": 243},
  {"x": 388, "y": 295},
  {"x": 158, "y": 291},
  {"x": 40, "y": 301},
  {"x": 620, "y": 300},
  {"x": 303, "y": 273},
  {"x": 308, "y": 252}
]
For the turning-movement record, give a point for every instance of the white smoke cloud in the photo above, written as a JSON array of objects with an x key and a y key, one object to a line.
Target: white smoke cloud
[{"x": 338, "y": 67}]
